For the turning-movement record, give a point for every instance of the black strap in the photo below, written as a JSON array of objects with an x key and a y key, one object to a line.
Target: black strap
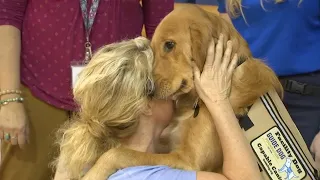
[
  {"x": 300, "y": 88},
  {"x": 245, "y": 122}
]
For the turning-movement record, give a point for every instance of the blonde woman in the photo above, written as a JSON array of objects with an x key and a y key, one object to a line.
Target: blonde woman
[
  {"x": 116, "y": 108},
  {"x": 286, "y": 33},
  {"x": 40, "y": 41}
]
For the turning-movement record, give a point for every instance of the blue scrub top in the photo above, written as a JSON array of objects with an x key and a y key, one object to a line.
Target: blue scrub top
[
  {"x": 285, "y": 35},
  {"x": 153, "y": 173}
]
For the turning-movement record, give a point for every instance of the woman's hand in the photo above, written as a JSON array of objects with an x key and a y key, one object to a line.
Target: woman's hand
[
  {"x": 214, "y": 83},
  {"x": 14, "y": 127}
]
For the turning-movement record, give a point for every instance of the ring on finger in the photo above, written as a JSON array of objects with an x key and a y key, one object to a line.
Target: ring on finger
[{"x": 7, "y": 136}]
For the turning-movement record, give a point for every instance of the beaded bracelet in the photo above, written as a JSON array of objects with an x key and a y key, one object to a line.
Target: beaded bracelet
[
  {"x": 7, "y": 101},
  {"x": 10, "y": 92}
]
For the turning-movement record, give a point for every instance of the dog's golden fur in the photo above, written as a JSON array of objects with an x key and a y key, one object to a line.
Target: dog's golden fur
[{"x": 189, "y": 30}]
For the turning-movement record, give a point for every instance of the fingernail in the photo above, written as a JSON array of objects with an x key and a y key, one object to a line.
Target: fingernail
[
  {"x": 221, "y": 36},
  {"x": 229, "y": 42}
]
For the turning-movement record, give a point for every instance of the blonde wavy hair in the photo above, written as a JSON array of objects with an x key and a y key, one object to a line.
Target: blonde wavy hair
[
  {"x": 234, "y": 7},
  {"x": 112, "y": 91}
]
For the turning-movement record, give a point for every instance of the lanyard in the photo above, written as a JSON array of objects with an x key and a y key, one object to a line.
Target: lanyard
[{"x": 88, "y": 19}]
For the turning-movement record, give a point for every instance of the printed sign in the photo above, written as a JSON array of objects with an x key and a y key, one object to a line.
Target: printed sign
[{"x": 277, "y": 157}]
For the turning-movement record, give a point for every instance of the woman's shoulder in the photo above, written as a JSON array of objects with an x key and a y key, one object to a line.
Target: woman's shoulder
[{"x": 153, "y": 173}]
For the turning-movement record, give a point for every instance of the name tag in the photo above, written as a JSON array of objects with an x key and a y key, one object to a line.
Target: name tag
[{"x": 75, "y": 70}]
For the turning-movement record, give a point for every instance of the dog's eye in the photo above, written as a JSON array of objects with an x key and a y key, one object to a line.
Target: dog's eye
[{"x": 168, "y": 46}]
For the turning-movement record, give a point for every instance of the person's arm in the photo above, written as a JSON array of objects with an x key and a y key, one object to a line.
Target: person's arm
[
  {"x": 11, "y": 18},
  {"x": 214, "y": 86},
  {"x": 154, "y": 11},
  {"x": 10, "y": 46},
  {"x": 235, "y": 146}
]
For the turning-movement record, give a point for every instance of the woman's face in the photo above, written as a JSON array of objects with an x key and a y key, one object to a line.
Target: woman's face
[{"x": 162, "y": 111}]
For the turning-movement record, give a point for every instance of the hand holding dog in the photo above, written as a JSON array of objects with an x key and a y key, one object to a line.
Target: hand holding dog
[{"x": 214, "y": 83}]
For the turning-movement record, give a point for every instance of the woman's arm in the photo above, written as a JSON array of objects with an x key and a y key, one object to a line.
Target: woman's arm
[
  {"x": 10, "y": 46},
  {"x": 213, "y": 87},
  {"x": 13, "y": 118},
  {"x": 154, "y": 11},
  {"x": 239, "y": 161},
  {"x": 11, "y": 18}
]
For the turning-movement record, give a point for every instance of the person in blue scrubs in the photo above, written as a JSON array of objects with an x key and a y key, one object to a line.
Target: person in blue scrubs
[
  {"x": 286, "y": 34},
  {"x": 131, "y": 61}
]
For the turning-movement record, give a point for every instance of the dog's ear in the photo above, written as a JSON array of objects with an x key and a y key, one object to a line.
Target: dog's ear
[
  {"x": 202, "y": 32},
  {"x": 200, "y": 38},
  {"x": 222, "y": 26}
]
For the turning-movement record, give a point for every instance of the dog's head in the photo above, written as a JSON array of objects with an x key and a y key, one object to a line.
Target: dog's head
[
  {"x": 183, "y": 36},
  {"x": 171, "y": 44}
]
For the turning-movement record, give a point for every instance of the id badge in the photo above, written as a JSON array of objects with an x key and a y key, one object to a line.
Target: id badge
[{"x": 76, "y": 68}]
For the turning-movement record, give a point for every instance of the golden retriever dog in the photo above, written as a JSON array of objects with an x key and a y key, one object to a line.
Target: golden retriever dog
[{"x": 183, "y": 36}]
